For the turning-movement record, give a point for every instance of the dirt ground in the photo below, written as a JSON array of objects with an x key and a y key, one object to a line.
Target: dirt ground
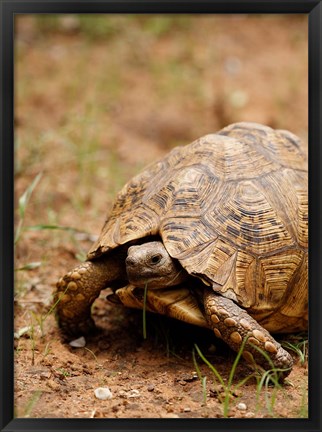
[{"x": 97, "y": 98}]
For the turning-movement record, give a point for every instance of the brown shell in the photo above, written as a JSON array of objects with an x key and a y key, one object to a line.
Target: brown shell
[{"x": 232, "y": 207}]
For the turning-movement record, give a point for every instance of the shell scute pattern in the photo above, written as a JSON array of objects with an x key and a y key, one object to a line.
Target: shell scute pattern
[
  {"x": 231, "y": 207},
  {"x": 184, "y": 237},
  {"x": 245, "y": 274},
  {"x": 280, "y": 146},
  {"x": 276, "y": 272},
  {"x": 191, "y": 188},
  {"x": 236, "y": 159},
  {"x": 245, "y": 217},
  {"x": 119, "y": 226}
]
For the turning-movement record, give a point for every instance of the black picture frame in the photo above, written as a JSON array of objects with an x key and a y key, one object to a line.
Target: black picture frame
[{"x": 9, "y": 8}]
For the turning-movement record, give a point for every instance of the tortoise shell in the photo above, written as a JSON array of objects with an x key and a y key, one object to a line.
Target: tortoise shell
[{"x": 232, "y": 207}]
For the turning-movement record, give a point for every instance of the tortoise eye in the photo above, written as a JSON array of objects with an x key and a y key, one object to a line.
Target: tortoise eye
[{"x": 155, "y": 259}]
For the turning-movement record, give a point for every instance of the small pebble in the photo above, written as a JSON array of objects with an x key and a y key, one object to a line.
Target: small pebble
[
  {"x": 122, "y": 393},
  {"x": 45, "y": 375},
  {"x": 187, "y": 409},
  {"x": 133, "y": 393},
  {"x": 53, "y": 385},
  {"x": 103, "y": 393},
  {"x": 78, "y": 343},
  {"x": 241, "y": 406},
  {"x": 150, "y": 387}
]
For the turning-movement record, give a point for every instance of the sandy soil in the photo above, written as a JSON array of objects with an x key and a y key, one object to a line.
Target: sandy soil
[{"x": 93, "y": 106}]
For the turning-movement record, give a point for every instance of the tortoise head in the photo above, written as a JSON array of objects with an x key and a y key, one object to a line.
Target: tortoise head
[{"x": 150, "y": 263}]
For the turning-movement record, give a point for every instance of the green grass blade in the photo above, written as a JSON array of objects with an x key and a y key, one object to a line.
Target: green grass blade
[
  {"x": 236, "y": 361},
  {"x": 273, "y": 371},
  {"x": 50, "y": 227},
  {"x": 53, "y": 307},
  {"x": 23, "y": 203},
  {"x": 29, "y": 266},
  {"x": 211, "y": 367},
  {"x": 36, "y": 395},
  {"x": 144, "y": 311},
  {"x": 25, "y": 197},
  {"x": 299, "y": 348},
  {"x": 202, "y": 379}
]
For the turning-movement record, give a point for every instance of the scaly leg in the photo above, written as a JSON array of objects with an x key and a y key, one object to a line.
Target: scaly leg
[
  {"x": 233, "y": 324},
  {"x": 77, "y": 290}
]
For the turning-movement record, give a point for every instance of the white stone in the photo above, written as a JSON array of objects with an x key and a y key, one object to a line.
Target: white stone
[
  {"x": 78, "y": 343},
  {"x": 22, "y": 331},
  {"x": 103, "y": 393},
  {"x": 242, "y": 407}
]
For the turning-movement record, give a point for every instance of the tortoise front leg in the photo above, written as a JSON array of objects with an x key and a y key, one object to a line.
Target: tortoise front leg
[
  {"x": 77, "y": 290},
  {"x": 233, "y": 324}
]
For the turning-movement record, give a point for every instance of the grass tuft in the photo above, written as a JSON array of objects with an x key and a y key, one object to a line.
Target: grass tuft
[
  {"x": 299, "y": 346},
  {"x": 229, "y": 389}
]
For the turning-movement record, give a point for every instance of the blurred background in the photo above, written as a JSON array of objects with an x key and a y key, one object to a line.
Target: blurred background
[{"x": 97, "y": 97}]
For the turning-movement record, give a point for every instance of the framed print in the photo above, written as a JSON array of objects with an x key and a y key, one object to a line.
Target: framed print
[{"x": 160, "y": 215}]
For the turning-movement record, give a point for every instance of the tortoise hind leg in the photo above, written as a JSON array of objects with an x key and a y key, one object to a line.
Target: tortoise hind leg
[{"x": 233, "y": 324}]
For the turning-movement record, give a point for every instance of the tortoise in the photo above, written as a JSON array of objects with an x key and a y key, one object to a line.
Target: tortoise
[{"x": 215, "y": 234}]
